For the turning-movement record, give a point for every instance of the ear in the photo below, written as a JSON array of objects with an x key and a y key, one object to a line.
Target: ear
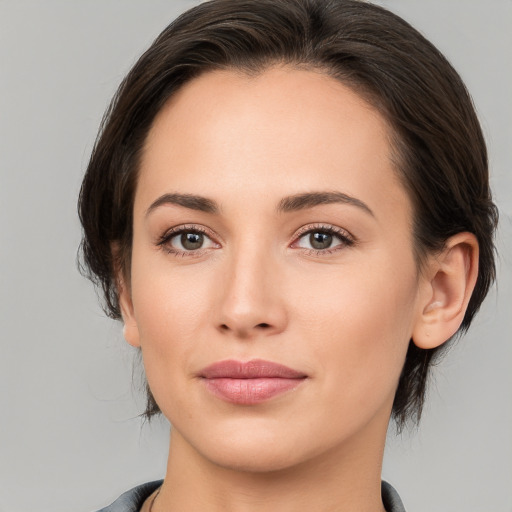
[
  {"x": 130, "y": 327},
  {"x": 447, "y": 284}
]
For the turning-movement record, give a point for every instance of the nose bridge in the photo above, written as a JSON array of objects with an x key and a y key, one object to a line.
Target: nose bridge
[{"x": 251, "y": 298}]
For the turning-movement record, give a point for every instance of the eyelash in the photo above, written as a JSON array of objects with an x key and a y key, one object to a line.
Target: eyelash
[
  {"x": 347, "y": 240},
  {"x": 164, "y": 240}
]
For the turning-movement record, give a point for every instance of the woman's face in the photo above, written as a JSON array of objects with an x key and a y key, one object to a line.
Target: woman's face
[{"x": 270, "y": 227}]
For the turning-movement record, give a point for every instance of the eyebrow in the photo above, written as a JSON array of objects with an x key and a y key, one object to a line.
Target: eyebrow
[
  {"x": 287, "y": 204},
  {"x": 311, "y": 199},
  {"x": 193, "y": 202}
]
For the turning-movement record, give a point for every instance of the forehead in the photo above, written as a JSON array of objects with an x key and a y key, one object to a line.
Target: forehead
[{"x": 284, "y": 131}]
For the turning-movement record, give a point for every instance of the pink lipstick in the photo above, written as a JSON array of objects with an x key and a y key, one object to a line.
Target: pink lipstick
[{"x": 251, "y": 382}]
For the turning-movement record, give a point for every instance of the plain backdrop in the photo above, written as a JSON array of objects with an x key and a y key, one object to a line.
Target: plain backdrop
[{"x": 70, "y": 438}]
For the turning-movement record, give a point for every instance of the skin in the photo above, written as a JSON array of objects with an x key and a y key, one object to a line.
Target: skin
[{"x": 343, "y": 315}]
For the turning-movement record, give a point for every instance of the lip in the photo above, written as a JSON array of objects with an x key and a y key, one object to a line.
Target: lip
[{"x": 251, "y": 382}]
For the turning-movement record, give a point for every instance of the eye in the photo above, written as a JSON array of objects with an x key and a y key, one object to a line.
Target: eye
[
  {"x": 186, "y": 241},
  {"x": 320, "y": 240},
  {"x": 323, "y": 239}
]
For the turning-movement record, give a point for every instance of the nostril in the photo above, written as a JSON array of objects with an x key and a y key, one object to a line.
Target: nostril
[{"x": 243, "y": 330}]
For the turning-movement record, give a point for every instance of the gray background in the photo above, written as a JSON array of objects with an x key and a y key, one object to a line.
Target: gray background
[{"x": 70, "y": 439}]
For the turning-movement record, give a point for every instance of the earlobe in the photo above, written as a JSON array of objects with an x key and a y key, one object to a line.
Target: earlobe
[
  {"x": 130, "y": 328},
  {"x": 446, "y": 289}
]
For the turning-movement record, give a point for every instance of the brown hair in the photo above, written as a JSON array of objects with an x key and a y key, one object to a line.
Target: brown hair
[{"x": 439, "y": 148}]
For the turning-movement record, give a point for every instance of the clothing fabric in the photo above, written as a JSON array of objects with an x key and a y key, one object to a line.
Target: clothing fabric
[
  {"x": 391, "y": 499},
  {"x": 132, "y": 500}
]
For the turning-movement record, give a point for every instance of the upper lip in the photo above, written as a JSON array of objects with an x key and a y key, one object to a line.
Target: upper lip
[{"x": 253, "y": 369}]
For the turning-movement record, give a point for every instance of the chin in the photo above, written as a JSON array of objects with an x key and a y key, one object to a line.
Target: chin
[
  {"x": 253, "y": 459},
  {"x": 258, "y": 446},
  {"x": 245, "y": 446}
]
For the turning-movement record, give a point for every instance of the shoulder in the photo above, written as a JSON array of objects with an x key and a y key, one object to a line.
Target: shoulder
[
  {"x": 391, "y": 499},
  {"x": 132, "y": 500}
]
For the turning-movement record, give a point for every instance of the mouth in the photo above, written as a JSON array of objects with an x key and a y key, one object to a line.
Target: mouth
[{"x": 251, "y": 382}]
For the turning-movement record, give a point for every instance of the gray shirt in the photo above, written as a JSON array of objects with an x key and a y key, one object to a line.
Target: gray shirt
[{"x": 132, "y": 500}]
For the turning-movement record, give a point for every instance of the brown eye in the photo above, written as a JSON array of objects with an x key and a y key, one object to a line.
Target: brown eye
[
  {"x": 324, "y": 239},
  {"x": 191, "y": 241},
  {"x": 320, "y": 240},
  {"x": 185, "y": 241}
]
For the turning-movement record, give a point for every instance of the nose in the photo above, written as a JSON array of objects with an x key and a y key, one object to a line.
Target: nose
[{"x": 252, "y": 299}]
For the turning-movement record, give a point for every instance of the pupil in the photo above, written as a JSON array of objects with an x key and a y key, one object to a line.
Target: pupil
[
  {"x": 191, "y": 241},
  {"x": 320, "y": 240}
]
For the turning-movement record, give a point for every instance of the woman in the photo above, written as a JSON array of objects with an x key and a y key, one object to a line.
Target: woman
[{"x": 288, "y": 206}]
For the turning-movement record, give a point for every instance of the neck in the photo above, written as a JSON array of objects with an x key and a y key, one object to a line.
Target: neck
[{"x": 346, "y": 479}]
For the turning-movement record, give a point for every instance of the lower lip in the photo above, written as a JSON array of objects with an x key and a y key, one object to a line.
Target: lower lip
[{"x": 250, "y": 391}]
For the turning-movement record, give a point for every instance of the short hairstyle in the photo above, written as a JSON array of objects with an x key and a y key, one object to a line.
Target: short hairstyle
[{"x": 438, "y": 148}]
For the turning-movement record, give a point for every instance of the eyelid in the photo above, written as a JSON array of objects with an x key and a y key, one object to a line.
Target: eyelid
[
  {"x": 324, "y": 227},
  {"x": 345, "y": 236},
  {"x": 164, "y": 239},
  {"x": 180, "y": 228}
]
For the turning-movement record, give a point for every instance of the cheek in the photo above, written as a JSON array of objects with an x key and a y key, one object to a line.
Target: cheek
[
  {"x": 170, "y": 309},
  {"x": 360, "y": 325},
  {"x": 170, "y": 306}
]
